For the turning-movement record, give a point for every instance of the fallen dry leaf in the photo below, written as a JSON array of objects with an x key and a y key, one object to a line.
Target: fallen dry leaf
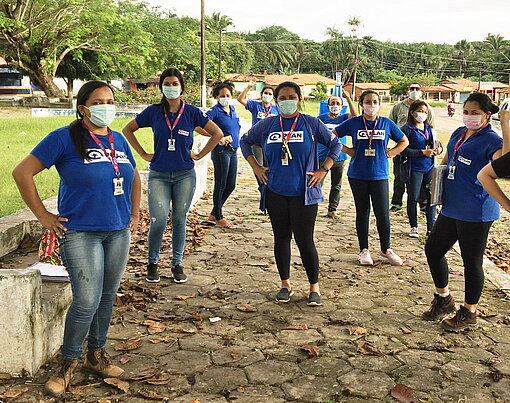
[
  {"x": 246, "y": 308},
  {"x": 484, "y": 313},
  {"x": 196, "y": 316},
  {"x": 357, "y": 330},
  {"x": 298, "y": 326},
  {"x": 128, "y": 345},
  {"x": 150, "y": 394},
  {"x": 367, "y": 348},
  {"x": 405, "y": 330},
  {"x": 5, "y": 376},
  {"x": 313, "y": 351},
  {"x": 146, "y": 374},
  {"x": 236, "y": 356},
  {"x": 164, "y": 339},
  {"x": 402, "y": 394},
  {"x": 161, "y": 379},
  {"x": 13, "y": 393},
  {"x": 156, "y": 327},
  {"x": 124, "y": 359},
  {"x": 185, "y": 297},
  {"x": 118, "y": 383},
  {"x": 104, "y": 401},
  {"x": 82, "y": 390},
  {"x": 183, "y": 328},
  {"x": 240, "y": 389}
]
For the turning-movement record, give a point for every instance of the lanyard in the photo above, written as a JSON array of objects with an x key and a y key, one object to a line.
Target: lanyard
[
  {"x": 462, "y": 140},
  {"x": 425, "y": 134},
  {"x": 176, "y": 121},
  {"x": 285, "y": 140},
  {"x": 111, "y": 156},
  {"x": 265, "y": 111},
  {"x": 370, "y": 136}
]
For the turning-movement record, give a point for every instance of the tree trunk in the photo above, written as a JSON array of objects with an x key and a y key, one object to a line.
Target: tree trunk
[
  {"x": 44, "y": 80},
  {"x": 70, "y": 88}
]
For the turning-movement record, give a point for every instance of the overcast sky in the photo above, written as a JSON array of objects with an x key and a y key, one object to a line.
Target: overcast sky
[{"x": 438, "y": 21}]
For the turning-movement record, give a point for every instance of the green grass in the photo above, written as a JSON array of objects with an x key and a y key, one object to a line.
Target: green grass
[{"x": 19, "y": 136}]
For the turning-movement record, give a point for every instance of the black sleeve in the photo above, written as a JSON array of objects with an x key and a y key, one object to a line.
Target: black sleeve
[{"x": 502, "y": 165}]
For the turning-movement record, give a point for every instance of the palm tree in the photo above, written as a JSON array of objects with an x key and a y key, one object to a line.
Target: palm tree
[
  {"x": 218, "y": 23},
  {"x": 498, "y": 43},
  {"x": 465, "y": 49}
]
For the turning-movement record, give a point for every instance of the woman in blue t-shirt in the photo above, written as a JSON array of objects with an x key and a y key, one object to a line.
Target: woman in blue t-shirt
[
  {"x": 172, "y": 167},
  {"x": 291, "y": 182},
  {"x": 224, "y": 155},
  {"x": 417, "y": 162},
  {"x": 98, "y": 202},
  {"x": 368, "y": 171},
  {"x": 466, "y": 215}
]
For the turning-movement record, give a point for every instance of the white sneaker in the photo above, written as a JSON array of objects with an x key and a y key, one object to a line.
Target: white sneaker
[
  {"x": 392, "y": 257},
  {"x": 414, "y": 232},
  {"x": 365, "y": 259}
]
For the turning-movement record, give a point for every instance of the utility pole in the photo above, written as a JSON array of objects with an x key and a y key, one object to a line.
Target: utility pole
[{"x": 203, "y": 88}]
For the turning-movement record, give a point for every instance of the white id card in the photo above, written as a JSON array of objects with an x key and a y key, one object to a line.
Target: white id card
[
  {"x": 285, "y": 159},
  {"x": 370, "y": 152},
  {"x": 117, "y": 186},
  {"x": 171, "y": 144},
  {"x": 451, "y": 172}
]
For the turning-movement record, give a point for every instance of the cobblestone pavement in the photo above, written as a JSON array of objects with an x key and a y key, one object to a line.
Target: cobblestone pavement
[{"x": 221, "y": 337}]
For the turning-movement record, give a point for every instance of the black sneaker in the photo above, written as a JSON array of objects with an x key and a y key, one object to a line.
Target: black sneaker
[
  {"x": 439, "y": 307},
  {"x": 284, "y": 295},
  {"x": 152, "y": 273},
  {"x": 395, "y": 208},
  {"x": 314, "y": 299},
  {"x": 178, "y": 274}
]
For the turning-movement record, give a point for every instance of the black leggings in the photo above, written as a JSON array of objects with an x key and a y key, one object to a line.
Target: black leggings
[
  {"x": 289, "y": 215},
  {"x": 363, "y": 191},
  {"x": 472, "y": 237}
]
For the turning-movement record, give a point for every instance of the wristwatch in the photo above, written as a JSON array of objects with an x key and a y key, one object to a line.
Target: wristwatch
[{"x": 326, "y": 169}]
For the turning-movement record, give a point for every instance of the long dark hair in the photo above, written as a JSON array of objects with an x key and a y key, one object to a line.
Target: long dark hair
[
  {"x": 483, "y": 101},
  {"x": 170, "y": 72},
  {"x": 289, "y": 84},
  {"x": 413, "y": 108},
  {"x": 79, "y": 134}
]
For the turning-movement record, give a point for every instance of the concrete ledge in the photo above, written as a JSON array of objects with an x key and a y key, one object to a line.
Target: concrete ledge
[{"x": 33, "y": 324}]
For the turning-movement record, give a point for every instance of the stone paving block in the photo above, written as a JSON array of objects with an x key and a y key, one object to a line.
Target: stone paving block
[
  {"x": 271, "y": 372},
  {"x": 220, "y": 380},
  {"x": 421, "y": 378},
  {"x": 366, "y": 384},
  {"x": 200, "y": 397},
  {"x": 202, "y": 342},
  {"x": 299, "y": 337},
  {"x": 185, "y": 362},
  {"x": 427, "y": 359},
  {"x": 325, "y": 366},
  {"x": 237, "y": 356},
  {"x": 258, "y": 394},
  {"x": 368, "y": 363},
  {"x": 310, "y": 388}
]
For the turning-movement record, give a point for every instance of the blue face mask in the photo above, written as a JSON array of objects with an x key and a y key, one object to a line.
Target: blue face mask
[
  {"x": 102, "y": 115},
  {"x": 172, "y": 92},
  {"x": 288, "y": 107}
]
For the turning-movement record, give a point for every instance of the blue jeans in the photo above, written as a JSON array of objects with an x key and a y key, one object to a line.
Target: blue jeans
[
  {"x": 224, "y": 159},
  {"x": 177, "y": 187},
  {"x": 419, "y": 180},
  {"x": 95, "y": 261}
]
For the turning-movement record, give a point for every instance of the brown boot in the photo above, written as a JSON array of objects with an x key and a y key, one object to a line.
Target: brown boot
[
  {"x": 440, "y": 306},
  {"x": 58, "y": 384},
  {"x": 98, "y": 362},
  {"x": 463, "y": 320}
]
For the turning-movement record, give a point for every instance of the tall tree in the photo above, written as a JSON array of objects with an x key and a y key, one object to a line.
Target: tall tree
[
  {"x": 464, "y": 51},
  {"x": 37, "y": 35},
  {"x": 218, "y": 23}
]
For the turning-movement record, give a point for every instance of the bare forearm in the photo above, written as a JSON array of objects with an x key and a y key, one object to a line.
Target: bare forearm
[
  {"x": 136, "y": 192},
  {"x": 487, "y": 178},
  {"x": 352, "y": 108},
  {"x": 133, "y": 141}
]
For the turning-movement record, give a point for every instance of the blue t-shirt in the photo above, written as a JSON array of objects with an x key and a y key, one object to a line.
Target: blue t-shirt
[
  {"x": 164, "y": 160},
  {"x": 287, "y": 180},
  {"x": 228, "y": 123},
  {"x": 363, "y": 166},
  {"x": 257, "y": 112},
  {"x": 331, "y": 124},
  {"x": 85, "y": 194},
  {"x": 464, "y": 198},
  {"x": 419, "y": 140}
]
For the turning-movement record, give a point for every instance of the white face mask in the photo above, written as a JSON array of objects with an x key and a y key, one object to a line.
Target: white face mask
[
  {"x": 421, "y": 116},
  {"x": 267, "y": 98},
  {"x": 102, "y": 115},
  {"x": 288, "y": 106},
  {"x": 171, "y": 92},
  {"x": 335, "y": 109},
  {"x": 414, "y": 95},
  {"x": 224, "y": 101},
  {"x": 371, "y": 110}
]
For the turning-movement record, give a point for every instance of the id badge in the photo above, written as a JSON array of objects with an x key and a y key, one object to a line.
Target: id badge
[
  {"x": 451, "y": 172},
  {"x": 117, "y": 186},
  {"x": 171, "y": 144},
  {"x": 285, "y": 158},
  {"x": 370, "y": 152}
]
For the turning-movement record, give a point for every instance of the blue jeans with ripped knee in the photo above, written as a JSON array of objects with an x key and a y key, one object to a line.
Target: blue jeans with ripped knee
[
  {"x": 177, "y": 187},
  {"x": 95, "y": 261}
]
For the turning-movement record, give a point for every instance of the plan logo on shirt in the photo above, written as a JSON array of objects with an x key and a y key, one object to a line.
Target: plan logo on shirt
[
  {"x": 464, "y": 160},
  {"x": 330, "y": 126},
  {"x": 183, "y": 132},
  {"x": 276, "y": 137},
  {"x": 261, "y": 115},
  {"x": 378, "y": 135},
  {"x": 97, "y": 155}
]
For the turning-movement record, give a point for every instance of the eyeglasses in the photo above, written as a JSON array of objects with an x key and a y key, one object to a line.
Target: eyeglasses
[{"x": 414, "y": 88}]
